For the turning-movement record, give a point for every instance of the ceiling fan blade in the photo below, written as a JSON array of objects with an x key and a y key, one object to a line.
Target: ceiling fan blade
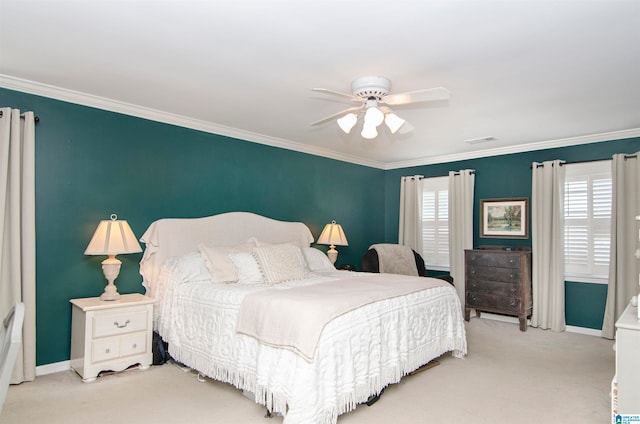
[
  {"x": 339, "y": 94},
  {"x": 426, "y": 95},
  {"x": 335, "y": 115}
]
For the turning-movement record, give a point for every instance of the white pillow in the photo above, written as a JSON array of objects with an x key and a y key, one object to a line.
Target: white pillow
[
  {"x": 280, "y": 262},
  {"x": 317, "y": 260},
  {"x": 191, "y": 267},
  {"x": 247, "y": 268},
  {"x": 216, "y": 258}
]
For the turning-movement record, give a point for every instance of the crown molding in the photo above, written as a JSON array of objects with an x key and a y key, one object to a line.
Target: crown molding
[
  {"x": 84, "y": 99},
  {"x": 76, "y": 97},
  {"x": 528, "y": 147}
]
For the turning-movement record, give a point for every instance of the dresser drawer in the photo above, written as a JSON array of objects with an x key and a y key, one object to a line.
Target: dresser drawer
[
  {"x": 493, "y": 274},
  {"x": 122, "y": 322},
  {"x": 489, "y": 301},
  {"x": 504, "y": 260},
  {"x": 493, "y": 287}
]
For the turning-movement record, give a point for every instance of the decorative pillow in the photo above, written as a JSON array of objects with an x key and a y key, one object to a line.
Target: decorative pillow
[
  {"x": 317, "y": 260},
  {"x": 216, "y": 258},
  {"x": 192, "y": 267},
  {"x": 247, "y": 268},
  {"x": 280, "y": 262}
]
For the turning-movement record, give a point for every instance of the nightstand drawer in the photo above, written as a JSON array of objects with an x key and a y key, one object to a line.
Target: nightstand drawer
[
  {"x": 133, "y": 344},
  {"x": 110, "y": 324},
  {"x": 105, "y": 349}
]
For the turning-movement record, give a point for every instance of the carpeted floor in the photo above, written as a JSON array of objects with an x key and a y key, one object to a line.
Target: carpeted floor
[{"x": 508, "y": 376}]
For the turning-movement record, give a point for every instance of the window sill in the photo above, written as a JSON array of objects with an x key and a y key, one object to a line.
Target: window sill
[{"x": 586, "y": 279}]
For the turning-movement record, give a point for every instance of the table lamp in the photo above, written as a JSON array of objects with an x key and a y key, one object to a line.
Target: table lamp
[
  {"x": 111, "y": 238},
  {"x": 333, "y": 235}
]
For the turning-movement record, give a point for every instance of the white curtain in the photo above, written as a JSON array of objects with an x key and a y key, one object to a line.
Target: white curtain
[
  {"x": 17, "y": 230},
  {"x": 410, "y": 229},
  {"x": 623, "y": 267},
  {"x": 461, "y": 186},
  {"x": 547, "y": 239}
]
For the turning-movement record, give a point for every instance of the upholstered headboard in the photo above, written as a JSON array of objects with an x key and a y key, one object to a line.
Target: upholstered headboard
[{"x": 170, "y": 237}]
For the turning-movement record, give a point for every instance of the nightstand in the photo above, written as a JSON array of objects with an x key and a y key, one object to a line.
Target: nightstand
[{"x": 111, "y": 335}]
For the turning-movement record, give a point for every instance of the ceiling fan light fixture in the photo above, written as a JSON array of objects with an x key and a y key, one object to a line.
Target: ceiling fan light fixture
[
  {"x": 373, "y": 116},
  {"x": 347, "y": 122},
  {"x": 369, "y": 131},
  {"x": 394, "y": 122}
]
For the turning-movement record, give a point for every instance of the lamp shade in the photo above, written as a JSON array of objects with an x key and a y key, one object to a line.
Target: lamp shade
[
  {"x": 347, "y": 122},
  {"x": 373, "y": 116},
  {"x": 113, "y": 237},
  {"x": 394, "y": 122},
  {"x": 369, "y": 131},
  {"x": 333, "y": 235}
]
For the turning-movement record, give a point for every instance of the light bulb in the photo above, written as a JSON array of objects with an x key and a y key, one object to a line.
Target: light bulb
[
  {"x": 374, "y": 116},
  {"x": 369, "y": 131},
  {"x": 394, "y": 122},
  {"x": 347, "y": 122}
]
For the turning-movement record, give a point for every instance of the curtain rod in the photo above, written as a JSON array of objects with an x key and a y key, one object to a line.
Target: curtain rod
[
  {"x": 436, "y": 176},
  {"x": 36, "y": 119},
  {"x": 586, "y": 161}
]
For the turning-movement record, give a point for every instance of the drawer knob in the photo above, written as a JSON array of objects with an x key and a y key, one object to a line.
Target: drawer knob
[
  {"x": 117, "y": 324},
  {"x": 135, "y": 345},
  {"x": 107, "y": 350},
  {"x": 513, "y": 303}
]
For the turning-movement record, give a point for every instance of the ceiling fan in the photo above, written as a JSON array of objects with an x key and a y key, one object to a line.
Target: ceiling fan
[{"x": 372, "y": 95}]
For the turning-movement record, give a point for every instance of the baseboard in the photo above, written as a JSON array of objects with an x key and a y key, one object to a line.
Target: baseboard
[
  {"x": 568, "y": 329},
  {"x": 53, "y": 368}
]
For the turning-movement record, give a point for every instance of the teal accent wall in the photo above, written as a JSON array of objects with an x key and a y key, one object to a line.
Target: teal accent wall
[
  {"x": 584, "y": 304},
  {"x": 510, "y": 176},
  {"x": 91, "y": 163}
]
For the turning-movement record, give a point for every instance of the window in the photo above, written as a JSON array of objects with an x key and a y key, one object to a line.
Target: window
[
  {"x": 435, "y": 223},
  {"x": 587, "y": 221}
]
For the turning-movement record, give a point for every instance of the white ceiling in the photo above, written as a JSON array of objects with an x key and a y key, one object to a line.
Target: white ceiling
[{"x": 531, "y": 73}]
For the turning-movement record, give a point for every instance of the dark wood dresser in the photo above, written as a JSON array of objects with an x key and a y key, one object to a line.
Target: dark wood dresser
[{"x": 498, "y": 279}]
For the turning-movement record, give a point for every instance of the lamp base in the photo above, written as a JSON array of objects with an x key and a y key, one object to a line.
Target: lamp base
[
  {"x": 110, "y": 293},
  {"x": 111, "y": 269},
  {"x": 332, "y": 254}
]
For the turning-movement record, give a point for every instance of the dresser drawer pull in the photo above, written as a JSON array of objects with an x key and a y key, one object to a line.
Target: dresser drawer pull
[
  {"x": 135, "y": 345},
  {"x": 117, "y": 324},
  {"x": 513, "y": 303},
  {"x": 512, "y": 289},
  {"x": 107, "y": 350}
]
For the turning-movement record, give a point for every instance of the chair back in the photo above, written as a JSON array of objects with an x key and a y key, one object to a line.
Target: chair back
[{"x": 10, "y": 339}]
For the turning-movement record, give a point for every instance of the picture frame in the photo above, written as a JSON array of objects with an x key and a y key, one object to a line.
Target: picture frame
[{"x": 504, "y": 218}]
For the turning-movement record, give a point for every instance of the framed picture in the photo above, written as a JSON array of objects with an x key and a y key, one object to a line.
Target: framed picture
[{"x": 504, "y": 218}]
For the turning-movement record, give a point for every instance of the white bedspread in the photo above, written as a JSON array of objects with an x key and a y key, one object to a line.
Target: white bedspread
[
  {"x": 294, "y": 319},
  {"x": 359, "y": 352}
]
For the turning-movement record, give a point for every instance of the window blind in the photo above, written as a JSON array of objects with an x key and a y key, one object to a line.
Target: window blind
[{"x": 587, "y": 214}]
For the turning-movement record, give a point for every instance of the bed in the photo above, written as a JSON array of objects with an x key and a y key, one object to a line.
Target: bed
[{"x": 245, "y": 300}]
